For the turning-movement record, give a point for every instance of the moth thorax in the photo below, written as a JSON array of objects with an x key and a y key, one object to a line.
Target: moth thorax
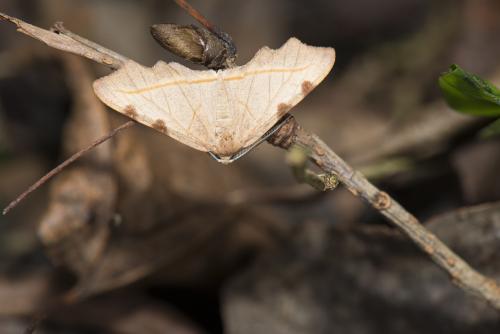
[{"x": 226, "y": 145}]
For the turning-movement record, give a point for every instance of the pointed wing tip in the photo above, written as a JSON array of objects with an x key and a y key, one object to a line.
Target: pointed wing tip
[
  {"x": 329, "y": 51},
  {"x": 295, "y": 40},
  {"x": 332, "y": 55}
]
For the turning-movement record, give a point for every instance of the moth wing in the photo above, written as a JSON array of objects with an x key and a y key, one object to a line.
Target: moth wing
[
  {"x": 164, "y": 97},
  {"x": 184, "y": 104},
  {"x": 273, "y": 82}
]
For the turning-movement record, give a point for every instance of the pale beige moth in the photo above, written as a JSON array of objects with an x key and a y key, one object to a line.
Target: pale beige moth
[{"x": 222, "y": 112}]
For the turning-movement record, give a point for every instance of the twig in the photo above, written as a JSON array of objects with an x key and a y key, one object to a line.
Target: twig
[
  {"x": 230, "y": 47},
  {"x": 198, "y": 16},
  {"x": 64, "y": 40},
  {"x": 291, "y": 133},
  {"x": 461, "y": 273},
  {"x": 117, "y": 59},
  {"x": 63, "y": 165}
]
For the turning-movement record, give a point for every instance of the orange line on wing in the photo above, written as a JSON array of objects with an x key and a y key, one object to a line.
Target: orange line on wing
[{"x": 201, "y": 81}]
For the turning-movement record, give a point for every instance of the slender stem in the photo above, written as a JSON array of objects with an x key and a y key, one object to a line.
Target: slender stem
[
  {"x": 60, "y": 29},
  {"x": 197, "y": 16},
  {"x": 223, "y": 37},
  {"x": 63, "y": 165}
]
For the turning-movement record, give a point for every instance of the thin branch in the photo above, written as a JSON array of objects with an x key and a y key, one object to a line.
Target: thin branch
[
  {"x": 223, "y": 36},
  {"x": 63, "y": 165},
  {"x": 197, "y": 16},
  {"x": 118, "y": 59},
  {"x": 461, "y": 273},
  {"x": 64, "y": 40}
]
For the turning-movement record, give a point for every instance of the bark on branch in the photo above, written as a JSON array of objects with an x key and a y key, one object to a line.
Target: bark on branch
[{"x": 461, "y": 273}]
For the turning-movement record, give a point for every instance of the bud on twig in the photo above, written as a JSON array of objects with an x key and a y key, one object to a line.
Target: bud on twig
[{"x": 196, "y": 44}]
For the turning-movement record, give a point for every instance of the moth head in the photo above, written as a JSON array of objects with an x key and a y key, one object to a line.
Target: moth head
[
  {"x": 226, "y": 145},
  {"x": 196, "y": 44}
]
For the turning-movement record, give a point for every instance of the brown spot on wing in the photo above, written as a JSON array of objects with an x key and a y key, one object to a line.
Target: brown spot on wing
[
  {"x": 307, "y": 87},
  {"x": 159, "y": 125},
  {"x": 283, "y": 108},
  {"x": 130, "y": 112}
]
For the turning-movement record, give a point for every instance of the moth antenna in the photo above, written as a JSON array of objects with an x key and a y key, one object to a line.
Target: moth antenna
[{"x": 63, "y": 165}]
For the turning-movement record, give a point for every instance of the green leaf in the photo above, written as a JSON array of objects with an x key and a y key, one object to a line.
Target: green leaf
[
  {"x": 468, "y": 93},
  {"x": 491, "y": 130}
]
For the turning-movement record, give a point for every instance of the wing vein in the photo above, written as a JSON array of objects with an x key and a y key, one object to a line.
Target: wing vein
[
  {"x": 187, "y": 99},
  {"x": 151, "y": 101},
  {"x": 277, "y": 93}
]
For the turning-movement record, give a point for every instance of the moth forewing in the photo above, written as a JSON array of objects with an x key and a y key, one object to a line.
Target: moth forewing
[{"x": 223, "y": 111}]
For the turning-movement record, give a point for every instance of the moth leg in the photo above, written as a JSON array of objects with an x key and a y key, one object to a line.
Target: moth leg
[
  {"x": 297, "y": 158},
  {"x": 247, "y": 149}
]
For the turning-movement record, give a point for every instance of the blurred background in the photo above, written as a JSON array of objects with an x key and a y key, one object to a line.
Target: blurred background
[{"x": 145, "y": 235}]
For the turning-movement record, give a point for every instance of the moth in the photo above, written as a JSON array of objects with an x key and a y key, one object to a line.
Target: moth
[{"x": 223, "y": 112}]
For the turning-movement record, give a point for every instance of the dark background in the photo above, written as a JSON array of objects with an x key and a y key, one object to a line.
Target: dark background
[{"x": 145, "y": 235}]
